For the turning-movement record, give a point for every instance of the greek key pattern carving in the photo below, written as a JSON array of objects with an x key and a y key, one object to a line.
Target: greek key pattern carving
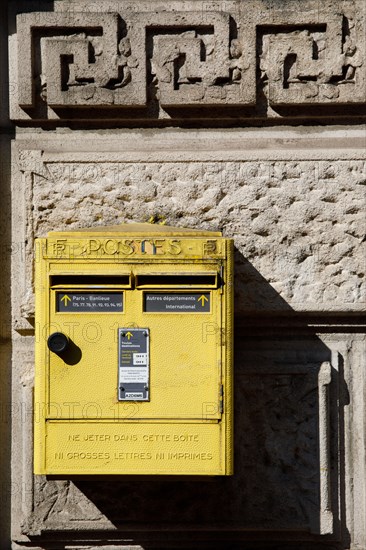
[
  {"x": 318, "y": 64},
  {"x": 199, "y": 62},
  {"x": 86, "y": 62},
  {"x": 155, "y": 65}
]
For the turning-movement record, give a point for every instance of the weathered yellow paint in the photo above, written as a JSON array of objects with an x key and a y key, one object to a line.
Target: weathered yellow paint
[{"x": 186, "y": 427}]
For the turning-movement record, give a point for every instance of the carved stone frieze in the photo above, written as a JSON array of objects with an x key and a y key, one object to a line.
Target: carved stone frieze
[{"x": 257, "y": 59}]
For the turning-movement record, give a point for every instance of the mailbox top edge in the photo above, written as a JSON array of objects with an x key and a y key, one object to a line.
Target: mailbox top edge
[{"x": 135, "y": 229}]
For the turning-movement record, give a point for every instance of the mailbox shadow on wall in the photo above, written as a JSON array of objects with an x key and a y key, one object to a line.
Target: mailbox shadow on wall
[
  {"x": 286, "y": 445},
  {"x": 288, "y": 413}
]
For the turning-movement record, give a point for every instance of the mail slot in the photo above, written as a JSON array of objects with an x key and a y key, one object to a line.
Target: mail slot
[{"x": 134, "y": 352}]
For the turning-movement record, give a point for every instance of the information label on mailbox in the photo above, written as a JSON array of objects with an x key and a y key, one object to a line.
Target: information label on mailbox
[
  {"x": 177, "y": 302},
  {"x": 86, "y": 302},
  {"x": 133, "y": 368}
]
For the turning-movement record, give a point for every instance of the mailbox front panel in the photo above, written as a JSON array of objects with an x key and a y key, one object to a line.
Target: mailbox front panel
[{"x": 133, "y": 359}]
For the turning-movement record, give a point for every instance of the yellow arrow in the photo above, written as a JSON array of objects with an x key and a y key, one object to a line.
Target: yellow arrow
[
  {"x": 203, "y": 298},
  {"x": 129, "y": 335},
  {"x": 65, "y": 299}
]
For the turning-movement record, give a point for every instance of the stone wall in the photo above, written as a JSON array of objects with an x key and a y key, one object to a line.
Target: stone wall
[
  {"x": 6, "y": 134},
  {"x": 247, "y": 117}
]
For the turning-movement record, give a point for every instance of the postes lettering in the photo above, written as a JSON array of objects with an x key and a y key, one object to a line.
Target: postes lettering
[{"x": 116, "y": 247}]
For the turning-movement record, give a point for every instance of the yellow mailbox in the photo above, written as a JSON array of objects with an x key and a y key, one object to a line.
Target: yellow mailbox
[{"x": 134, "y": 352}]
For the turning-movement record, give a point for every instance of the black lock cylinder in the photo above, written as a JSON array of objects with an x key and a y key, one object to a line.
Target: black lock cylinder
[{"x": 58, "y": 342}]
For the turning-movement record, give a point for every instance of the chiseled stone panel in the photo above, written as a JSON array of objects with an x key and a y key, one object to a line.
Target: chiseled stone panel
[
  {"x": 280, "y": 459},
  {"x": 298, "y": 445},
  {"x": 259, "y": 57},
  {"x": 298, "y": 225}
]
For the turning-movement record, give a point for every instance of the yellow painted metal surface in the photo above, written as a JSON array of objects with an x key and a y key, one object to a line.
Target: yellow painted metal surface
[{"x": 145, "y": 304}]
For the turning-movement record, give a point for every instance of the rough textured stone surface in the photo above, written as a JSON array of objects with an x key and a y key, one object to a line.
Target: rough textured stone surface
[
  {"x": 222, "y": 54},
  {"x": 298, "y": 225}
]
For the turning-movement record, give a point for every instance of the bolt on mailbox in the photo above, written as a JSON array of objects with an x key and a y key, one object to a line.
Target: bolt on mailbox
[{"x": 134, "y": 352}]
